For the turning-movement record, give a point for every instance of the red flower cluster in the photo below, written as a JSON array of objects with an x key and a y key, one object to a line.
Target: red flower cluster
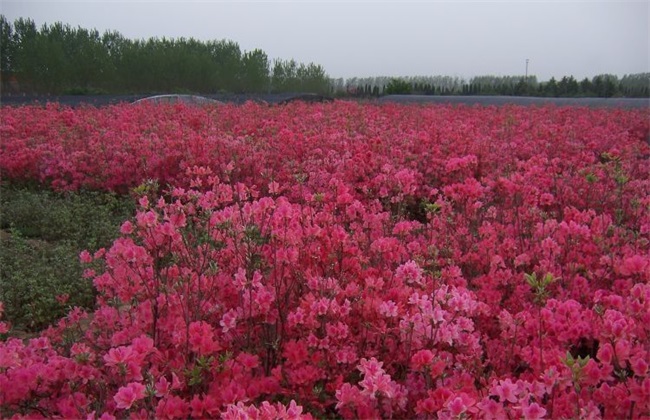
[{"x": 347, "y": 260}]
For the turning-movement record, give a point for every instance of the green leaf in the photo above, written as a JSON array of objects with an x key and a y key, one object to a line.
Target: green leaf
[{"x": 531, "y": 279}]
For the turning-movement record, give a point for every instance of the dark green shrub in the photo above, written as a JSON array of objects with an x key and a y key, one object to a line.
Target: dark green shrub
[
  {"x": 398, "y": 87},
  {"x": 33, "y": 274},
  {"x": 90, "y": 220},
  {"x": 42, "y": 234}
]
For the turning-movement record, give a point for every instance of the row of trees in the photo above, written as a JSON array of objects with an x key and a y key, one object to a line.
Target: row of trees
[
  {"x": 60, "y": 59},
  {"x": 604, "y": 85}
]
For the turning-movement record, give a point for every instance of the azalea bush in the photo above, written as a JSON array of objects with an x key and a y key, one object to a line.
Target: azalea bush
[{"x": 346, "y": 260}]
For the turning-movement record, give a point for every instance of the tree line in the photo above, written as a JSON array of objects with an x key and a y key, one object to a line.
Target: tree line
[
  {"x": 60, "y": 59},
  {"x": 603, "y": 85}
]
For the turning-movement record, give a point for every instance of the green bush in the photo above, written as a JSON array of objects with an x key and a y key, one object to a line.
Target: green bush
[
  {"x": 42, "y": 235},
  {"x": 90, "y": 220},
  {"x": 33, "y": 274},
  {"x": 398, "y": 87}
]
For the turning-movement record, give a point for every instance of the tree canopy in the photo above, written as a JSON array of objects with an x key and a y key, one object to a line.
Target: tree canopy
[
  {"x": 603, "y": 85},
  {"x": 60, "y": 59}
]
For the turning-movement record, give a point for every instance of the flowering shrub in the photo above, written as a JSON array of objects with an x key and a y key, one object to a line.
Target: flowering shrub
[{"x": 347, "y": 260}]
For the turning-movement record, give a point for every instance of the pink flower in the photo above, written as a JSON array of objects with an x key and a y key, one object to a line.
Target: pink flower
[
  {"x": 248, "y": 361},
  {"x": 147, "y": 219},
  {"x": 202, "y": 338},
  {"x": 229, "y": 320},
  {"x": 176, "y": 383},
  {"x": 373, "y": 385},
  {"x": 210, "y": 405},
  {"x": 370, "y": 367},
  {"x": 119, "y": 355},
  {"x": 457, "y": 407},
  {"x": 126, "y": 228},
  {"x": 421, "y": 360},
  {"x": 533, "y": 412},
  {"x": 388, "y": 309},
  {"x": 133, "y": 371},
  {"x": 639, "y": 366},
  {"x": 99, "y": 253},
  {"x": 240, "y": 412},
  {"x": 605, "y": 353},
  {"x": 546, "y": 199},
  {"x": 491, "y": 409},
  {"x": 294, "y": 410},
  {"x": 507, "y": 391},
  {"x": 409, "y": 273},
  {"x": 129, "y": 394},
  {"x": 162, "y": 387},
  {"x": 274, "y": 188},
  {"x": 635, "y": 264},
  {"x": 196, "y": 406},
  {"x": 172, "y": 408},
  {"x": 295, "y": 351},
  {"x": 143, "y": 345},
  {"x": 426, "y": 406},
  {"x": 144, "y": 201},
  {"x": 85, "y": 257},
  {"x": 591, "y": 374},
  {"x": 63, "y": 298},
  {"x": 347, "y": 395},
  {"x": 178, "y": 220},
  {"x": 80, "y": 349}
]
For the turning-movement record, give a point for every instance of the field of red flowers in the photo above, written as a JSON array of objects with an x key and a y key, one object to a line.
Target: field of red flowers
[{"x": 346, "y": 260}]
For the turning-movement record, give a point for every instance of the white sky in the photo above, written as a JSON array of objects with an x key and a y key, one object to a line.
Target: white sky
[{"x": 389, "y": 38}]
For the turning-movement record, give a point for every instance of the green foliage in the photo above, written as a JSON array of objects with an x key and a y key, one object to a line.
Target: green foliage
[
  {"x": 60, "y": 59},
  {"x": 586, "y": 88},
  {"x": 550, "y": 87},
  {"x": 89, "y": 220},
  {"x": 41, "y": 238},
  {"x": 398, "y": 87},
  {"x": 7, "y": 45},
  {"x": 254, "y": 75},
  {"x": 576, "y": 365},
  {"x": 197, "y": 375},
  {"x": 33, "y": 274},
  {"x": 632, "y": 85},
  {"x": 290, "y": 76},
  {"x": 502, "y": 85},
  {"x": 539, "y": 286},
  {"x": 568, "y": 86},
  {"x": 430, "y": 208},
  {"x": 635, "y": 85},
  {"x": 605, "y": 85}
]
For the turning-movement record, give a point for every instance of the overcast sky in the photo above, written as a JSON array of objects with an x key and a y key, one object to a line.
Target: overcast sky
[{"x": 372, "y": 38}]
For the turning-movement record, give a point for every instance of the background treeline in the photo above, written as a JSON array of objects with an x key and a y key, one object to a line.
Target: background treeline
[
  {"x": 59, "y": 59},
  {"x": 604, "y": 85}
]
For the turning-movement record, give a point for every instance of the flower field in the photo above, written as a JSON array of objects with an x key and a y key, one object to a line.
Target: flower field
[{"x": 346, "y": 260}]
